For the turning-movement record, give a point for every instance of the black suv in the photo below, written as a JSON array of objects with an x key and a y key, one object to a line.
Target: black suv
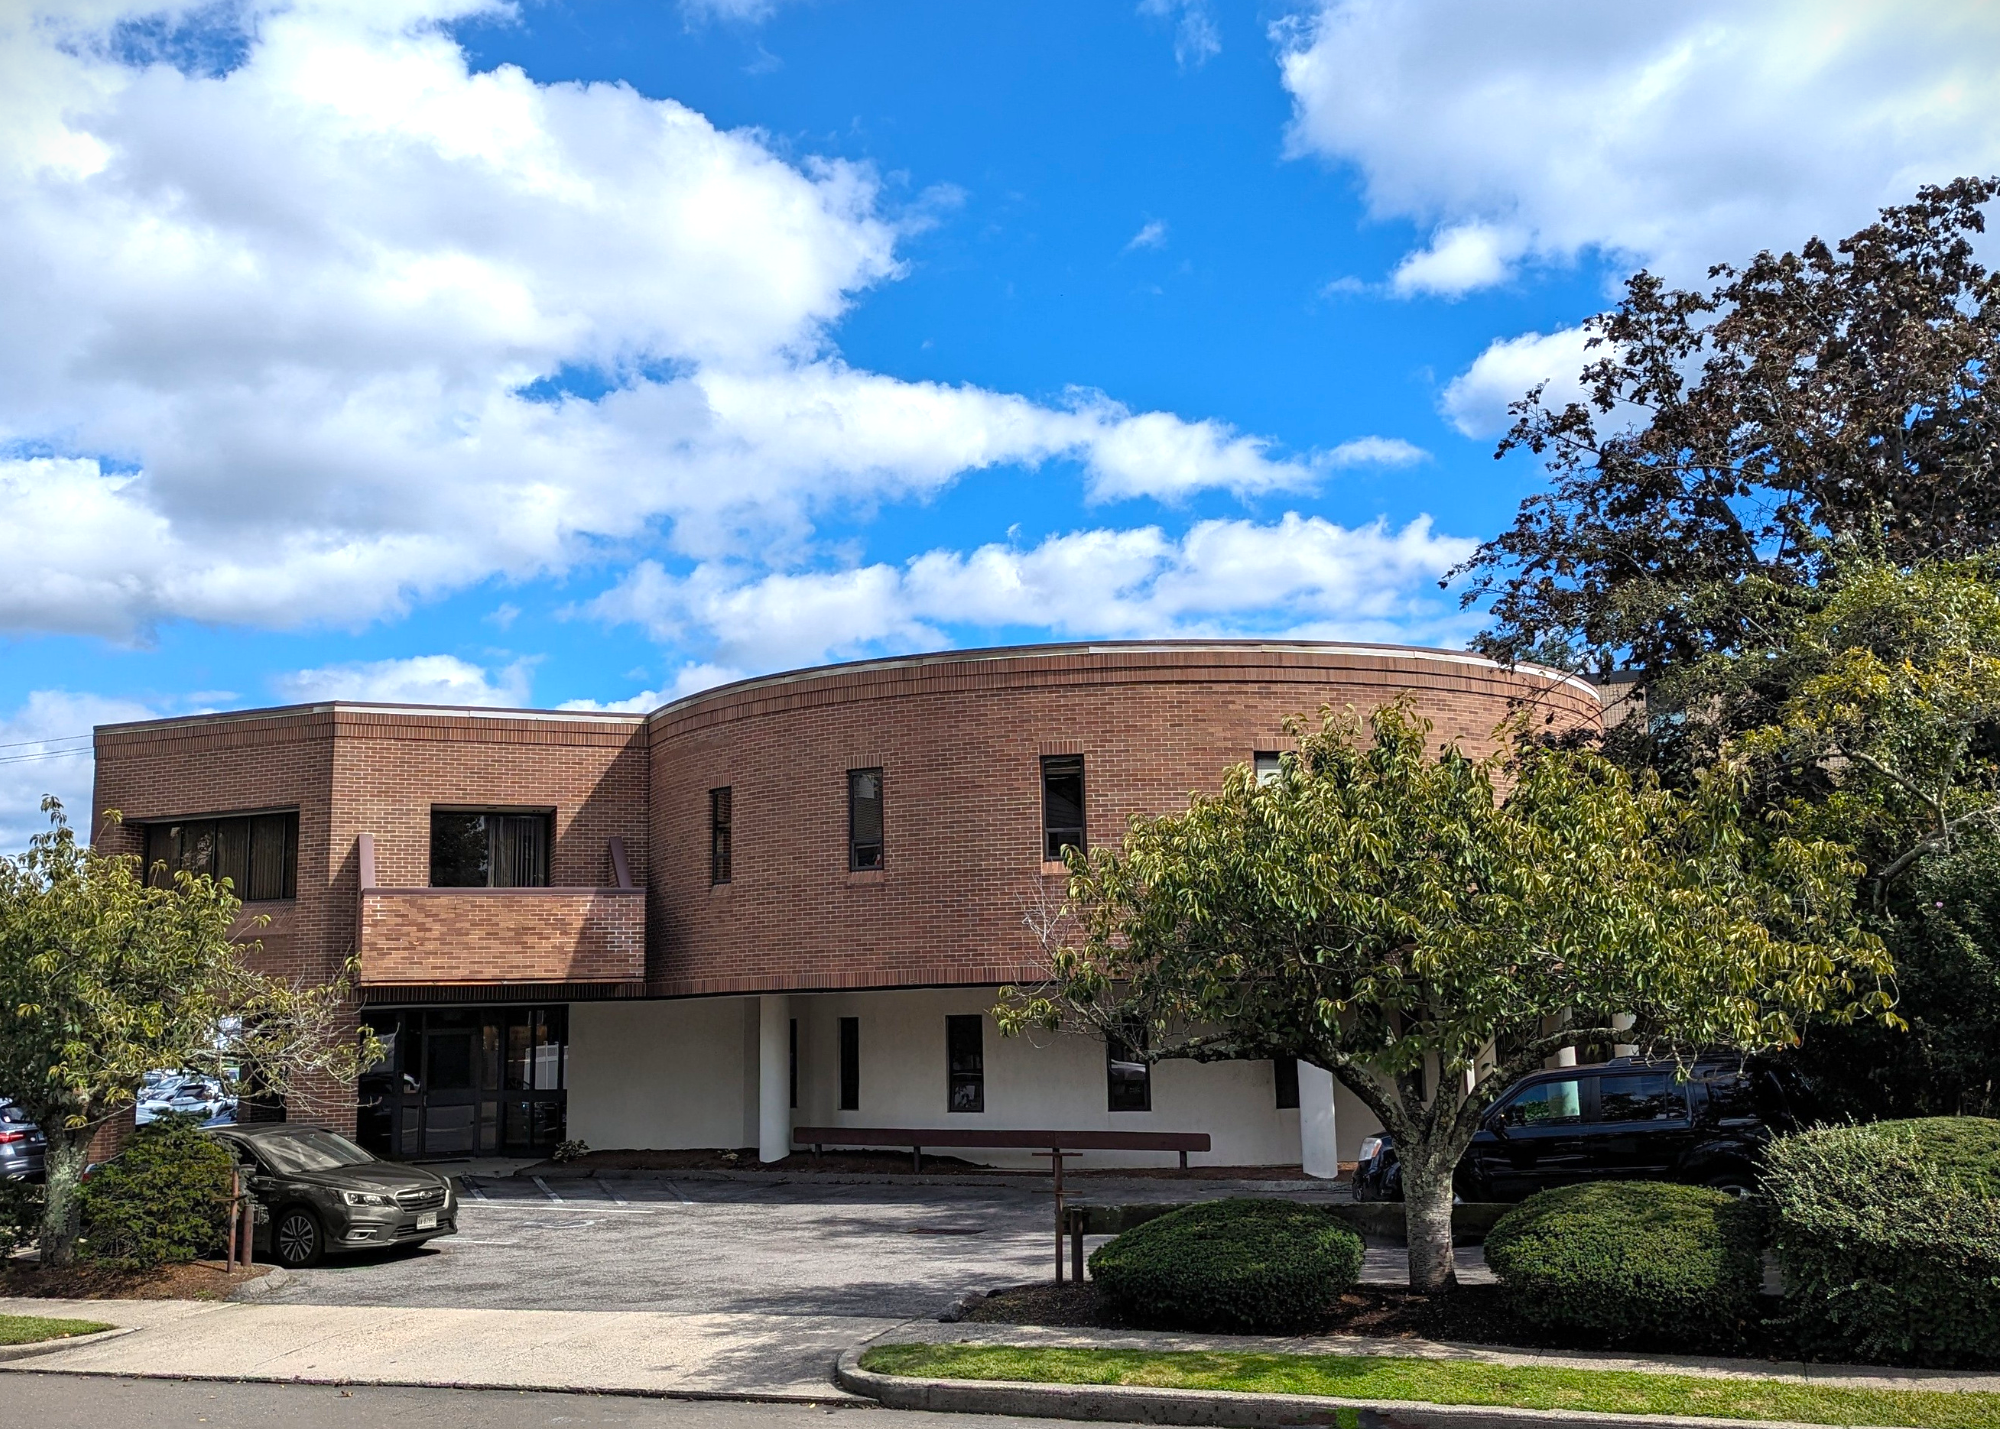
[
  {"x": 317, "y": 1192},
  {"x": 1615, "y": 1121}
]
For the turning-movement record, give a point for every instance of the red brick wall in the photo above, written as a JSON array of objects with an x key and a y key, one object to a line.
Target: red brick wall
[
  {"x": 464, "y": 935},
  {"x": 959, "y": 739}
]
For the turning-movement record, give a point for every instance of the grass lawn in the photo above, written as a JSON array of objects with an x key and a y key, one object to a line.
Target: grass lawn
[
  {"x": 1449, "y": 1382},
  {"x": 27, "y": 1329}
]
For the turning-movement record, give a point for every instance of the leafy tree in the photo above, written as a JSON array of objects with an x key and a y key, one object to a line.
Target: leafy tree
[
  {"x": 1428, "y": 927},
  {"x": 1747, "y": 430},
  {"x": 103, "y": 978}
]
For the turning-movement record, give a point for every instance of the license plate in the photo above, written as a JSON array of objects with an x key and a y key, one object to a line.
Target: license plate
[{"x": 428, "y": 1221}]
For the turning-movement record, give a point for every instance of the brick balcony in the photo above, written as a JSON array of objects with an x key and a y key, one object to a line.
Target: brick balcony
[{"x": 500, "y": 936}]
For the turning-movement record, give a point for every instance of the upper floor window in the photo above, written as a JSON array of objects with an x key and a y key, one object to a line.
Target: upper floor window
[
  {"x": 257, "y": 853},
  {"x": 719, "y": 829},
  {"x": 1062, "y": 804},
  {"x": 864, "y": 818},
  {"x": 489, "y": 848}
]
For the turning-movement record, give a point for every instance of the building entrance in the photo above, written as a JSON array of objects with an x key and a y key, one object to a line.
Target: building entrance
[{"x": 465, "y": 1081}]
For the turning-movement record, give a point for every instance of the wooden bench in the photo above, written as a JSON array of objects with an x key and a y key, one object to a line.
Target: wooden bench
[{"x": 1053, "y": 1144}]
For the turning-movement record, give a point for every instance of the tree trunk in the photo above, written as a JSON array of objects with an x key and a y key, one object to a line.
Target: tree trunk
[
  {"x": 68, "y": 1153},
  {"x": 1427, "y": 1222}
]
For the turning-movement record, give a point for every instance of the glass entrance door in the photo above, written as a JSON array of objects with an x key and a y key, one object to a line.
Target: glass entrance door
[{"x": 466, "y": 1081}]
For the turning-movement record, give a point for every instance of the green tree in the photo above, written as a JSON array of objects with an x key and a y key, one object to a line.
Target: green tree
[
  {"x": 1428, "y": 927},
  {"x": 104, "y": 978}
]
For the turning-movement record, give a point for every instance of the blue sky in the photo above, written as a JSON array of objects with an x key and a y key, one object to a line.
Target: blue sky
[{"x": 570, "y": 352}]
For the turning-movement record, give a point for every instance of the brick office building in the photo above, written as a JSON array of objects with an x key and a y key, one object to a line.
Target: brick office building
[{"x": 784, "y": 901}]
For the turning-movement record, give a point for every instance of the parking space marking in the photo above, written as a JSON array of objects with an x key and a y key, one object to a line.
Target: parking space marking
[
  {"x": 616, "y": 1199},
  {"x": 546, "y": 1191},
  {"x": 679, "y": 1194},
  {"x": 473, "y": 1186}
]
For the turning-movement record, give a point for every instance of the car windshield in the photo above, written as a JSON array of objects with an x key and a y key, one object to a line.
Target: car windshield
[{"x": 298, "y": 1151}]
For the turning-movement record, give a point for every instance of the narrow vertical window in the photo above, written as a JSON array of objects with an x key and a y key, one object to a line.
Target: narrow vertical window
[
  {"x": 1285, "y": 1074},
  {"x": 1128, "y": 1076},
  {"x": 795, "y": 1063},
  {"x": 718, "y": 835},
  {"x": 1062, "y": 804},
  {"x": 850, "y": 1064},
  {"x": 864, "y": 818},
  {"x": 965, "y": 1063},
  {"x": 1268, "y": 765}
]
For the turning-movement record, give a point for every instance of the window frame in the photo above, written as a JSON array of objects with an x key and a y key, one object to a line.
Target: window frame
[
  {"x": 973, "y": 1078},
  {"x": 1052, "y": 849},
  {"x": 246, "y": 885},
  {"x": 855, "y": 856},
  {"x": 1267, "y": 766},
  {"x": 721, "y": 835},
  {"x": 488, "y": 812}
]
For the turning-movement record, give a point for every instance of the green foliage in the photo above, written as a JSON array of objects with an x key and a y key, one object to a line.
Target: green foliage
[
  {"x": 1632, "y": 1262},
  {"x": 164, "y": 1200},
  {"x": 1428, "y": 927},
  {"x": 20, "y": 1214},
  {"x": 1241, "y": 1265},
  {"x": 1890, "y": 1239}
]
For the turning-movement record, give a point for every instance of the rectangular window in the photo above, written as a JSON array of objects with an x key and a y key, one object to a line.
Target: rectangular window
[
  {"x": 258, "y": 854},
  {"x": 719, "y": 823},
  {"x": 473, "y": 848},
  {"x": 1649, "y": 1096},
  {"x": 1062, "y": 804},
  {"x": 1285, "y": 1073},
  {"x": 965, "y": 1063},
  {"x": 1550, "y": 1104},
  {"x": 1268, "y": 765},
  {"x": 864, "y": 818},
  {"x": 850, "y": 1064},
  {"x": 795, "y": 1063},
  {"x": 1128, "y": 1076}
]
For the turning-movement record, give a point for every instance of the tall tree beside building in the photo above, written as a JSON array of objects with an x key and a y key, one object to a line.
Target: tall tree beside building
[
  {"x": 104, "y": 978},
  {"x": 1428, "y": 927}
]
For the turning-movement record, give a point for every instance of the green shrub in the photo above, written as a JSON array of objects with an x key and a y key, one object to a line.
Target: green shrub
[
  {"x": 163, "y": 1200},
  {"x": 1632, "y": 1262},
  {"x": 20, "y": 1215},
  {"x": 1240, "y": 1265},
  {"x": 1890, "y": 1239}
]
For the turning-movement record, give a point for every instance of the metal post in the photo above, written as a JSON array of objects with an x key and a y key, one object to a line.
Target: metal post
[
  {"x": 1076, "y": 1246},
  {"x": 1055, "y": 1161},
  {"x": 235, "y": 1215},
  {"x": 246, "y": 1240}
]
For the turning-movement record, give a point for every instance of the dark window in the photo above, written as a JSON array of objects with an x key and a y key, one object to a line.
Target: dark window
[
  {"x": 795, "y": 1063},
  {"x": 965, "y": 1063},
  {"x": 1550, "y": 1104},
  {"x": 482, "y": 849},
  {"x": 259, "y": 855},
  {"x": 1649, "y": 1096},
  {"x": 1285, "y": 1073},
  {"x": 1128, "y": 1076},
  {"x": 1268, "y": 766},
  {"x": 718, "y": 835},
  {"x": 850, "y": 1064},
  {"x": 1062, "y": 804},
  {"x": 864, "y": 818}
]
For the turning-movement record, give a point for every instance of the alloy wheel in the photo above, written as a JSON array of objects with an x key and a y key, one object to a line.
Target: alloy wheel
[{"x": 298, "y": 1239}]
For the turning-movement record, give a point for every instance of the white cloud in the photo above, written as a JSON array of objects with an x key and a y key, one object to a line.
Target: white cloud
[
  {"x": 1476, "y": 400},
  {"x": 1300, "y": 575},
  {"x": 298, "y": 302},
  {"x": 1671, "y": 132},
  {"x": 45, "y": 748},
  {"x": 415, "y": 680},
  {"x": 1197, "y": 40},
  {"x": 1152, "y": 235},
  {"x": 1377, "y": 451}
]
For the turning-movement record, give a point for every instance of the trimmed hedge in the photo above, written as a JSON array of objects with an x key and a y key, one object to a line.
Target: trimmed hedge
[
  {"x": 1632, "y": 1262},
  {"x": 1243, "y": 1265},
  {"x": 1890, "y": 1239},
  {"x": 163, "y": 1200}
]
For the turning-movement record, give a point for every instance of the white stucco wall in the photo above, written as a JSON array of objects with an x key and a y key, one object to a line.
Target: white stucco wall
[{"x": 660, "y": 1075}]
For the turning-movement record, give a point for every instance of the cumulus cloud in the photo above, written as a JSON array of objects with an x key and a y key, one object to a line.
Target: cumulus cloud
[
  {"x": 1476, "y": 400},
  {"x": 1377, "y": 451},
  {"x": 415, "y": 680},
  {"x": 1303, "y": 576},
  {"x": 45, "y": 748},
  {"x": 321, "y": 329},
  {"x": 1675, "y": 133}
]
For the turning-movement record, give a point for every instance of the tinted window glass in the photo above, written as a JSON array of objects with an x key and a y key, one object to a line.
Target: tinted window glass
[
  {"x": 258, "y": 854},
  {"x": 1062, "y": 804},
  {"x": 850, "y": 1064},
  {"x": 1285, "y": 1075},
  {"x": 1549, "y": 1104},
  {"x": 299, "y": 1151},
  {"x": 720, "y": 834},
  {"x": 471, "y": 849},
  {"x": 965, "y": 1064},
  {"x": 459, "y": 852},
  {"x": 864, "y": 818},
  {"x": 1129, "y": 1078},
  {"x": 1647, "y": 1096}
]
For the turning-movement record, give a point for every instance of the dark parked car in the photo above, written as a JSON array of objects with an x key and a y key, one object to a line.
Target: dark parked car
[
  {"x": 23, "y": 1147},
  {"x": 318, "y": 1193},
  {"x": 1614, "y": 1121}
]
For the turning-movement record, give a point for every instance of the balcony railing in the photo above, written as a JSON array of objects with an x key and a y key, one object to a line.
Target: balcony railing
[{"x": 500, "y": 936}]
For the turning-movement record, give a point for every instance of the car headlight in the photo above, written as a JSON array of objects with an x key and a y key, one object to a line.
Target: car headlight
[
  {"x": 1371, "y": 1147},
  {"x": 365, "y": 1198}
]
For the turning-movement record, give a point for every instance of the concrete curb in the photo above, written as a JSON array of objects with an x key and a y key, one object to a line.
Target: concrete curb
[
  {"x": 1217, "y": 1407},
  {"x": 62, "y": 1342},
  {"x": 274, "y": 1279}
]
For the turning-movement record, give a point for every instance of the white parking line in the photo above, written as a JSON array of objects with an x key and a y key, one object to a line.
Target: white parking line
[
  {"x": 467, "y": 1183},
  {"x": 545, "y": 1189},
  {"x": 679, "y": 1194},
  {"x": 616, "y": 1199}
]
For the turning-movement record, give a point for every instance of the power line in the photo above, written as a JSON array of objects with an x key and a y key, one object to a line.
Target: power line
[
  {"x": 51, "y": 754},
  {"x": 52, "y": 739}
]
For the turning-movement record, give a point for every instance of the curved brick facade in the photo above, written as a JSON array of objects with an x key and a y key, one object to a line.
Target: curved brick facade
[{"x": 959, "y": 739}]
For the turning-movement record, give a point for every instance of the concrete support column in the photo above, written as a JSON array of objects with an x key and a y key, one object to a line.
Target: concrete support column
[
  {"x": 774, "y": 1077},
  {"x": 1319, "y": 1149}
]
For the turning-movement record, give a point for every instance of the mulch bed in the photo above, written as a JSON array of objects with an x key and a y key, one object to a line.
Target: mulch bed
[{"x": 199, "y": 1280}]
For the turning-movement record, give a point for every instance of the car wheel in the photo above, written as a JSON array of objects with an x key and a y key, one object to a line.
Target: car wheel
[
  {"x": 1734, "y": 1183},
  {"x": 297, "y": 1239}
]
